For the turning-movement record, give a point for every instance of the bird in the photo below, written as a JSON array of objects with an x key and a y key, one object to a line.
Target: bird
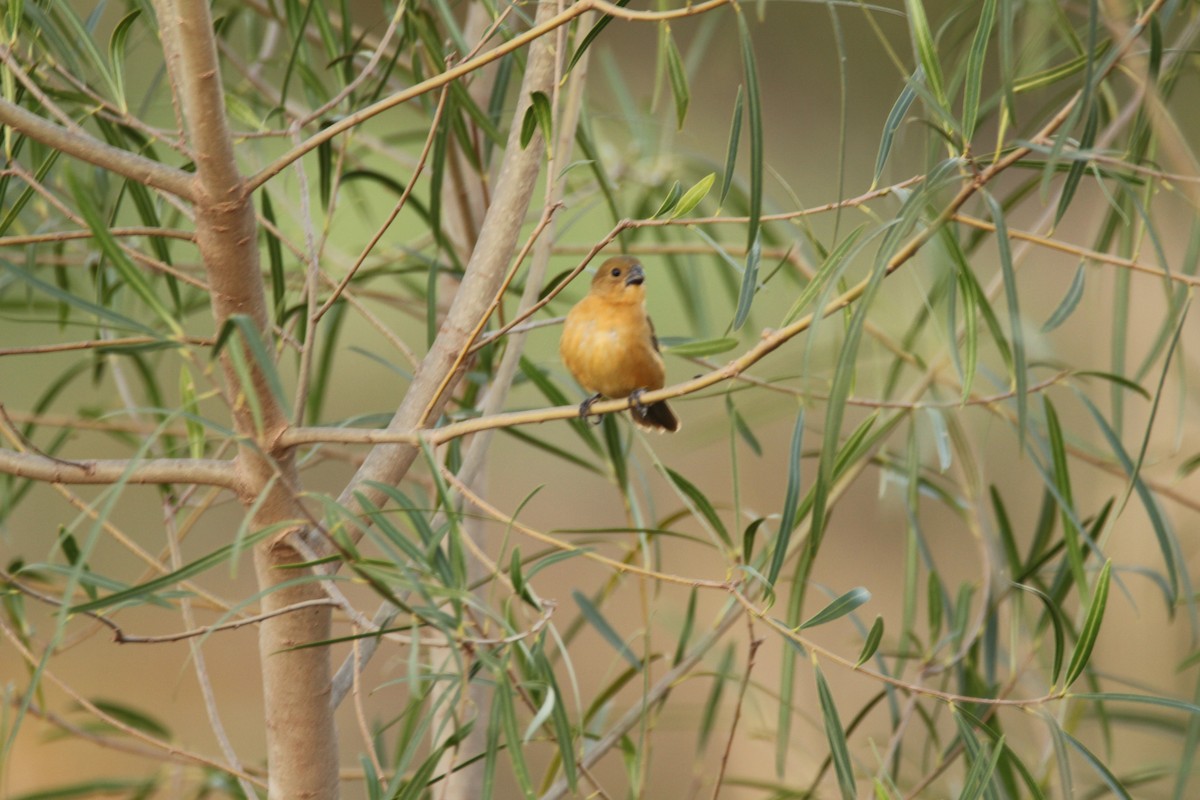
[{"x": 608, "y": 344}]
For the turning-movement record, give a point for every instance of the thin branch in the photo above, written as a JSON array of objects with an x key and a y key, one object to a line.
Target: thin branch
[
  {"x": 208, "y": 472},
  {"x": 465, "y": 68},
  {"x": 85, "y": 148},
  {"x": 166, "y": 749},
  {"x": 63, "y": 236},
  {"x": 128, "y": 638}
]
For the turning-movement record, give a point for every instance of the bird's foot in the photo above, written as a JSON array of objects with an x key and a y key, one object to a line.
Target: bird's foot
[
  {"x": 586, "y": 406},
  {"x": 635, "y": 397}
]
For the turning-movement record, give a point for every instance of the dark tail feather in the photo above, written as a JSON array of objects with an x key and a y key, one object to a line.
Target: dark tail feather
[{"x": 657, "y": 417}]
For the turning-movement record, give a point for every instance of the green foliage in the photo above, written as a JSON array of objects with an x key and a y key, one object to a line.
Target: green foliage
[{"x": 902, "y": 533}]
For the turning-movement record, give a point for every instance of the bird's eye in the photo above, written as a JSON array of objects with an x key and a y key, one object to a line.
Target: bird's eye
[{"x": 616, "y": 273}]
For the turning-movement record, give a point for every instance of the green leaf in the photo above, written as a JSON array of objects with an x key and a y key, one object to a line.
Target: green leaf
[
  {"x": 597, "y": 620},
  {"x": 670, "y": 201},
  {"x": 1016, "y": 329},
  {"x": 754, "y": 109},
  {"x": 252, "y": 338},
  {"x": 791, "y": 501},
  {"x": 591, "y": 36},
  {"x": 692, "y": 197},
  {"x": 131, "y": 275},
  {"x": 1062, "y": 483},
  {"x": 701, "y": 347},
  {"x": 1070, "y": 300},
  {"x": 837, "y": 739},
  {"x": 702, "y": 504},
  {"x": 145, "y": 590},
  {"x": 731, "y": 150},
  {"x": 874, "y": 637},
  {"x": 894, "y": 119},
  {"x": 679, "y": 81},
  {"x": 1090, "y": 629},
  {"x": 1054, "y": 614},
  {"x": 749, "y": 284},
  {"x": 274, "y": 259},
  {"x": 973, "y": 86},
  {"x": 925, "y": 49},
  {"x": 1106, "y": 775},
  {"x": 1167, "y": 543},
  {"x": 840, "y": 607},
  {"x": 116, "y": 55}
]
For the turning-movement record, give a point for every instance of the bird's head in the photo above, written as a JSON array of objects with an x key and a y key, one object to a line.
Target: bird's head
[{"x": 620, "y": 279}]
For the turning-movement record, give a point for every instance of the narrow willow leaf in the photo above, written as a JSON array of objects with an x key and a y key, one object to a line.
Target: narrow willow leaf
[
  {"x": 973, "y": 86},
  {"x": 702, "y": 505},
  {"x": 1078, "y": 164},
  {"x": 1069, "y": 302},
  {"x": 130, "y": 274},
  {"x": 1062, "y": 483},
  {"x": 925, "y": 49},
  {"x": 543, "y": 713},
  {"x": 529, "y": 125},
  {"x": 597, "y": 620},
  {"x": 685, "y": 631},
  {"x": 692, "y": 197},
  {"x": 832, "y": 268},
  {"x": 791, "y": 501},
  {"x": 503, "y": 698},
  {"x": 144, "y": 591},
  {"x": 1145, "y": 699},
  {"x": 616, "y": 450},
  {"x": 112, "y": 318},
  {"x": 894, "y": 118},
  {"x": 545, "y": 119},
  {"x": 1167, "y": 543},
  {"x": 840, "y": 607},
  {"x": 1110, "y": 780},
  {"x": 191, "y": 418},
  {"x": 591, "y": 35},
  {"x": 670, "y": 201},
  {"x": 1090, "y": 629},
  {"x": 1056, "y": 74},
  {"x": 874, "y": 637},
  {"x": 754, "y": 110},
  {"x": 748, "y": 537},
  {"x": 564, "y": 735},
  {"x": 679, "y": 81},
  {"x": 699, "y": 348},
  {"x": 274, "y": 259},
  {"x": 116, "y": 55},
  {"x": 1054, "y": 614},
  {"x": 837, "y": 739},
  {"x": 1016, "y": 329},
  {"x": 263, "y": 361},
  {"x": 731, "y": 150},
  {"x": 749, "y": 284}
]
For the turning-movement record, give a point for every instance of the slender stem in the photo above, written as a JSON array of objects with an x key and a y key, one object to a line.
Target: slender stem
[{"x": 85, "y": 148}]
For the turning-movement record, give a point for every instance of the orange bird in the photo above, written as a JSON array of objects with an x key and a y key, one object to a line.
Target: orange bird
[{"x": 608, "y": 344}]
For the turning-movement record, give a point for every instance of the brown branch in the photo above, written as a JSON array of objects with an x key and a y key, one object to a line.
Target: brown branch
[
  {"x": 85, "y": 148},
  {"x": 208, "y": 472},
  {"x": 63, "y": 236},
  {"x": 92, "y": 344},
  {"x": 541, "y": 28},
  {"x": 127, "y": 638}
]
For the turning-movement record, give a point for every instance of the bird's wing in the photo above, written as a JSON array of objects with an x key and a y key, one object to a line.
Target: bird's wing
[{"x": 653, "y": 335}]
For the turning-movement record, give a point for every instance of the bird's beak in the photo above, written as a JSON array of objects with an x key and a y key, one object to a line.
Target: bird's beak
[{"x": 636, "y": 276}]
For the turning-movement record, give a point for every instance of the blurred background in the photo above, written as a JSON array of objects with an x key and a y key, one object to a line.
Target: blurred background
[{"x": 828, "y": 76}]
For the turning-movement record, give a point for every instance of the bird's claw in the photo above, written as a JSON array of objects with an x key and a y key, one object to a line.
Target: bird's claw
[
  {"x": 635, "y": 397},
  {"x": 586, "y": 406}
]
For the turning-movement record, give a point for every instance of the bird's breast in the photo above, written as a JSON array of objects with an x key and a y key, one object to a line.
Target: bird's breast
[{"x": 610, "y": 353}]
